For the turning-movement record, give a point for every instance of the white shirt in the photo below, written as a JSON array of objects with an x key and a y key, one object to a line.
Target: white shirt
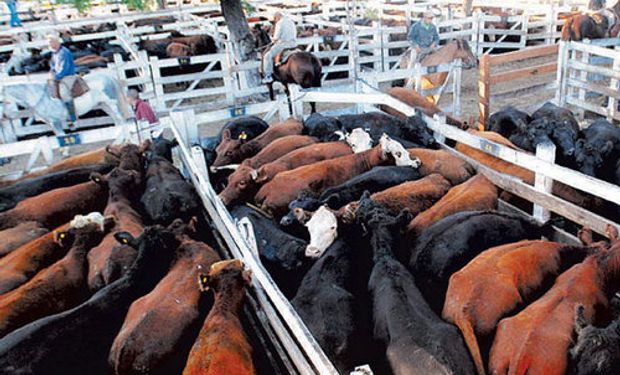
[{"x": 285, "y": 31}]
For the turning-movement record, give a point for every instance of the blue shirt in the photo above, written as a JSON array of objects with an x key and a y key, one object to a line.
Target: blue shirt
[
  {"x": 422, "y": 35},
  {"x": 61, "y": 63}
]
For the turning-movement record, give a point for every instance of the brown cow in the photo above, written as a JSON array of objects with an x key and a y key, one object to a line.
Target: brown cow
[
  {"x": 92, "y": 61},
  {"x": 231, "y": 151},
  {"x": 242, "y": 183},
  {"x": 498, "y": 281},
  {"x": 304, "y": 156},
  {"x": 416, "y": 100},
  {"x": 124, "y": 189},
  {"x": 415, "y": 196},
  {"x": 178, "y": 50},
  {"x": 221, "y": 346},
  {"x": 559, "y": 189},
  {"x": 57, "y": 206},
  {"x": 58, "y": 287},
  {"x": 536, "y": 341},
  {"x": 142, "y": 346},
  {"x": 451, "y": 167},
  {"x": 98, "y": 156},
  {"x": 274, "y": 196},
  {"x": 24, "y": 262},
  {"x": 17, "y": 236},
  {"x": 476, "y": 194}
]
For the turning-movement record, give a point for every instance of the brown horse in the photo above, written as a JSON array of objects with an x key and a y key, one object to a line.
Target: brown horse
[
  {"x": 302, "y": 68},
  {"x": 601, "y": 24},
  {"x": 456, "y": 49}
]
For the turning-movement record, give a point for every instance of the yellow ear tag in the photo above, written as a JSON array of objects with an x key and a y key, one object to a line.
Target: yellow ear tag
[
  {"x": 62, "y": 235},
  {"x": 243, "y": 136},
  {"x": 125, "y": 241}
]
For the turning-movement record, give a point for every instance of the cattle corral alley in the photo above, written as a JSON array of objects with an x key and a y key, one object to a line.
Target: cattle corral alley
[{"x": 365, "y": 213}]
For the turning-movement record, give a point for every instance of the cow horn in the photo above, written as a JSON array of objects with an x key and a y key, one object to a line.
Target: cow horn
[
  {"x": 254, "y": 174},
  {"x": 230, "y": 166},
  {"x": 218, "y": 266}
]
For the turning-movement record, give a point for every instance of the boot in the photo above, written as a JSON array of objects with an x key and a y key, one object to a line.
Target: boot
[{"x": 71, "y": 108}]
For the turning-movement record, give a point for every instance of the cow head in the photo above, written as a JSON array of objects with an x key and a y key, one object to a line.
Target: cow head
[
  {"x": 398, "y": 152},
  {"x": 300, "y": 210},
  {"x": 359, "y": 140},
  {"x": 156, "y": 246},
  {"x": 417, "y": 131},
  {"x": 86, "y": 231},
  {"x": 179, "y": 227},
  {"x": 596, "y": 349},
  {"x": 223, "y": 274},
  {"x": 565, "y": 137},
  {"x": 590, "y": 158},
  {"x": 228, "y": 150},
  {"x": 241, "y": 184},
  {"x": 323, "y": 228}
]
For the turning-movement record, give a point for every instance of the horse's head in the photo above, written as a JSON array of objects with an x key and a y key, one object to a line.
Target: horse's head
[
  {"x": 16, "y": 62},
  {"x": 464, "y": 52}
]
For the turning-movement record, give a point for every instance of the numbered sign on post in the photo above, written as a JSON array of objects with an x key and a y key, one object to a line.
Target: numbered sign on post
[
  {"x": 69, "y": 140},
  {"x": 237, "y": 111},
  {"x": 489, "y": 147}
]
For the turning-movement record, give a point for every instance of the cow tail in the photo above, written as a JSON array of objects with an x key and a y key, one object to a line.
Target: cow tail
[
  {"x": 472, "y": 344},
  {"x": 566, "y": 30},
  {"x": 121, "y": 99}
]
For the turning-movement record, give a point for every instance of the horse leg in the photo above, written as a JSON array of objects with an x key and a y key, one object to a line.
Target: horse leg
[
  {"x": 312, "y": 107},
  {"x": 271, "y": 94},
  {"x": 288, "y": 99}
]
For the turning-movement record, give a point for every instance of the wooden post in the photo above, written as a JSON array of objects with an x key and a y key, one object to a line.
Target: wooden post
[
  {"x": 158, "y": 88},
  {"x": 561, "y": 78},
  {"x": 283, "y": 110},
  {"x": 546, "y": 152},
  {"x": 612, "y": 106},
  {"x": 484, "y": 90},
  {"x": 456, "y": 89},
  {"x": 199, "y": 158},
  {"x": 297, "y": 104},
  {"x": 583, "y": 76},
  {"x": 477, "y": 24}
]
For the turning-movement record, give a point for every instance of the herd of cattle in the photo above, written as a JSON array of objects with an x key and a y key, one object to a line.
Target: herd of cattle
[
  {"x": 103, "y": 271},
  {"x": 394, "y": 253}
]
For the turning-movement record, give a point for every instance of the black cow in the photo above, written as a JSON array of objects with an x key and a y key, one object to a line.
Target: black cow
[
  {"x": 322, "y": 127},
  {"x": 414, "y": 129},
  {"x": 77, "y": 341},
  {"x": 330, "y": 301},
  {"x": 558, "y": 125},
  {"x": 599, "y": 149},
  {"x": 11, "y": 195},
  {"x": 299, "y": 209},
  {"x": 282, "y": 254},
  {"x": 448, "y": 245},
  {"x": 597, "y": 350},
  {"x": 508, "y": 121},
  {"x": 167, "y": 195},
  {"x": 376, "y": 179},
  {"x": 415, "y": 339}
]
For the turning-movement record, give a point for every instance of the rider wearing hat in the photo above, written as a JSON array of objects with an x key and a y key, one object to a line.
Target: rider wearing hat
[
  {"x": 423, "y": 36},
  {"x": 284, "y": 37},
  {"x": 62, "y": 74}
]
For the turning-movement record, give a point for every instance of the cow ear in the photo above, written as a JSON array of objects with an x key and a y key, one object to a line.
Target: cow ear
[
  {"x": 203, "y": 282},
  {"x": 254, "y": 174},
  {"x": 108, "y": 222},
  {"x": 607, "y": 147},
  {"x": 226, "y": 135},
  {"x": 247, "y": 276},
  {"x": 125, "y": 238},
  {"x": 192, "y": 223},
  {"x": 145, "y": 145},
  {"x": 98, "y": 178},
  {"x": 174, "y": 143},
  {"x": 62, "y": 238},
  {"x": 110, "y": 150}
]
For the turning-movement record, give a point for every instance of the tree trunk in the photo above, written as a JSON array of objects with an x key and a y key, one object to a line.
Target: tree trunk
[
  {"x": 242, "y": 39},
  {"x": 468, "y": 5}
]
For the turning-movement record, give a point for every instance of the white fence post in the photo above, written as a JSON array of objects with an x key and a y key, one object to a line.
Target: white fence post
[
  {"x": 298, "y": 105},
  {"x": 456, "y": 89},
  {"x": 560, "y": 96},
  {"x": 544, "y": 151},
  {"x": 612, "y": 105}
]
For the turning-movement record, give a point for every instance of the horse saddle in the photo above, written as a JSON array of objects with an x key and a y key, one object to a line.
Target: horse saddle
[
  {"x": 80, "y": 87},
  {"x": 605, "y": 18},
  {"x": 283, "y": 55}
]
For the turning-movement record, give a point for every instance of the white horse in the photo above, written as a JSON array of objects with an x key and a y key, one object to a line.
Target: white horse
[{"x": 104, "y": 91}]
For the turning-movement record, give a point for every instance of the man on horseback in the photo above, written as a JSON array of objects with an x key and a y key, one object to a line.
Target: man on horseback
[
  {"x": 284, "y": 37},
  {"x": 62, "y": 75},
  {"x": 423, "y": 37}
]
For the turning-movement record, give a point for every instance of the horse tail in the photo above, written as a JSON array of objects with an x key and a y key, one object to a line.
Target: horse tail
[{"x": 121, "y": 99}]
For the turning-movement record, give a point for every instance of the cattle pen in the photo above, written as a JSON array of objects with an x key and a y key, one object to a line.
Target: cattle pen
[{"x": 361, "y": 63}]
